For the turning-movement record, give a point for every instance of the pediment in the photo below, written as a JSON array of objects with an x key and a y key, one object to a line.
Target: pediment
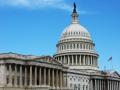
[{"x": 115, "y": 74}]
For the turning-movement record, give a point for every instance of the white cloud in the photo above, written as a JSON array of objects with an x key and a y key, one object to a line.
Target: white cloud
[
  {"x": 39, "y": 4},
  {"x": 36, "y": 4}
]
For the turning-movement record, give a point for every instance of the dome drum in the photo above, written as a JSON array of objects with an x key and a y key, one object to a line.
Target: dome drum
[{"x": 79, "y": 60}]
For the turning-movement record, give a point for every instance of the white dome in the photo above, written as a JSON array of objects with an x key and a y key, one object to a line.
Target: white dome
[
  {"x": 76, "y": 48},
  {"x": 75, "y": 30}
]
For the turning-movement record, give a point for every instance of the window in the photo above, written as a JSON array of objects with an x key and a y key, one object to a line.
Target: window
[
  {"x": 77, "y": 46},
  {"x": 74, "y": 46},
  {"x": 67, "y": 46}
]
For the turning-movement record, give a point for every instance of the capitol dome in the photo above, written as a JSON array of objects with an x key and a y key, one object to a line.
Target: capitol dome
[
  {"x": 75, "y": 47},
  {"x": 75, "y": 30}
]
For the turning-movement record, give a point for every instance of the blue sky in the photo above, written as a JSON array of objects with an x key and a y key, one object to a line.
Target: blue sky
[{"x": 34, "y": 26}]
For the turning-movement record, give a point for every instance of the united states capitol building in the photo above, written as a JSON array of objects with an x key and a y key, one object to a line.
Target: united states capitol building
[{"x": 73, "y": 67}]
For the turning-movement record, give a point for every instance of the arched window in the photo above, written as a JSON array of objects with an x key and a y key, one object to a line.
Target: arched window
[
  {"x": 70, "y": 46},
  {"x": 81, "y": 45},
  {"x": 74, "y": 46},
  {"x": 77, "y": 46},
  {"x": 67, "y": 46}
]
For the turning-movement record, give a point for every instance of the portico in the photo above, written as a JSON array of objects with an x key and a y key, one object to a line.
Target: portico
[{"x": 24, "y": 73}]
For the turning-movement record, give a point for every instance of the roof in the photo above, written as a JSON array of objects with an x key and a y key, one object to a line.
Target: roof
[{"x": 47, "y": 59}]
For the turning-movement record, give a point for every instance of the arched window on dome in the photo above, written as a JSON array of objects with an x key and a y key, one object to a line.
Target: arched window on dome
[
  {"x": 83, "y": 46},
  {"x": 80, "y": 45},
  {"x": 67, "y": 46},
  {"x": 73, "y": 46},
  {"x": 77, "y": 45},
  {"x": 62, "y": 47},
  {"x": 82, "y": 34},
  {"x": 87, "y": 46},
  {"x": 74, "y": 33}
]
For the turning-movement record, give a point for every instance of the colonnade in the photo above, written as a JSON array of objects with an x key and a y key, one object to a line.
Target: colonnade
[
  {"x": 70, "y": 46},
  {"x": 21, "y": 75},
  {"x": 78, "y": 60},
  {"x": 104, "y": 84}
]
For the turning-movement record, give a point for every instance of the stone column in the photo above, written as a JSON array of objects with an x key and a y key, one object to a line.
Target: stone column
[
  {"x": 108, "y": 85},
  {"x": 100, "y": 84},
  {"x": 25, "y": 76},
  {"x": 44, "y": 76},
  {"x": 40, "y": 76},
  {"x": 80, "y": 60},
  {"x": 83, "y": 59},
  {"x": 10, "y": 75},
  {"x": 15, "y": 77},
  {"x": 61, "y": 59},
  {"x": 61, "y": 79},
  {"x": 64, "y": 61},
  {"x": 91, "y": 85},
  {"x": 21, "y": 76},
  {"x": 96, "y": 62},
  {"x": 88, "y": 60},
  {"x": 68, "y": 60},
  {"x": 91, "y": 61},
  {"x": 76, "y": 59},
  {"x": 56, "y": 78},
  {"x": 118, "y": 85},
  {"x": 112, "y": 84},
  {"x": 95, "y": 85},
  {"x": 72, "y": 60},
  {"x": 35, "y": 75},
  {"x": 49, "y": 76},
  {"x": 53, "y": 78},
  {"x": 115, "y": 85},
  {"x": 30, "y": 76}
]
